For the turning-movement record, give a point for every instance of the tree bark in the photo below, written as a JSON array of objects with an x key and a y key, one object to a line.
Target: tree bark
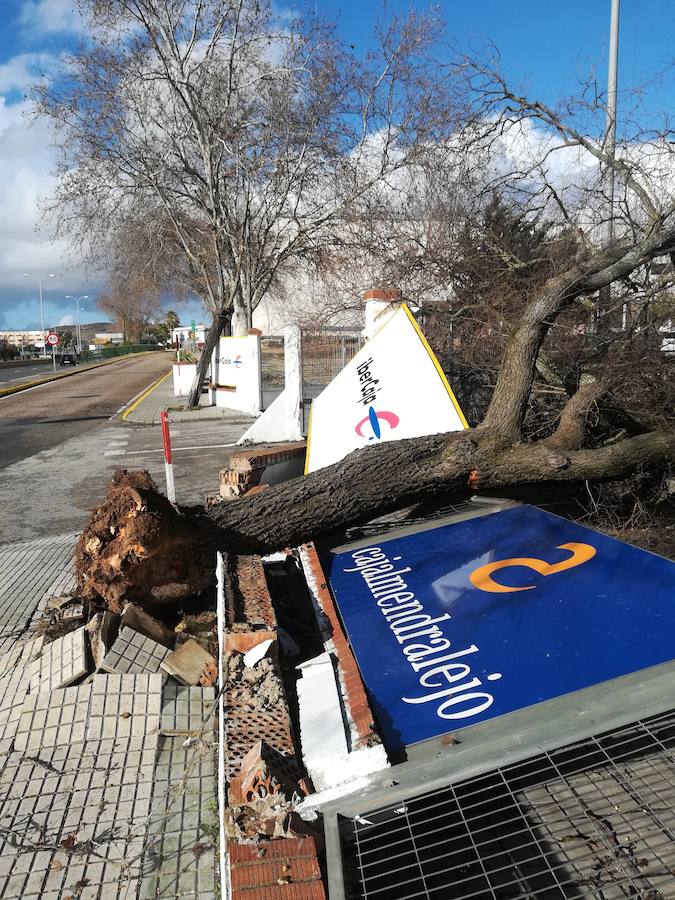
[
  {"x": 219, "y": 325},
  {"x": 377, "y": 480},
  {"x": 138, "y": 547},
  {"x": 571, "y": 433}
]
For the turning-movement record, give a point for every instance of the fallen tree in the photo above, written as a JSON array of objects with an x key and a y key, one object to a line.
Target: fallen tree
[{"x": 139, "y": 547}]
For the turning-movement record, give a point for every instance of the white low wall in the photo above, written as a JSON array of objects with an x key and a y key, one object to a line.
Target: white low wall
[
  {"x": 236, "y": 378},
  {"x": 282, "y": 421},
  {"x": 183, "y": 376}
]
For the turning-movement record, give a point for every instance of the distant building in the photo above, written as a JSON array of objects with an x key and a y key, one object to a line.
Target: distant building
[
  {"x": 108, "y": 337},
  {"x": 23, "y": 339}
]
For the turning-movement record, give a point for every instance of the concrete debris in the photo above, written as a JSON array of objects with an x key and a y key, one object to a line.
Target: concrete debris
[
  {"x": 265, "y": 772},
  {"x": 322, "y": 730},
  {"x": 255, "y": 654},
  {"x": 271, "y": 817},
  {"x": 191, "y": 664},
  {"x": 252, "y": 688}
]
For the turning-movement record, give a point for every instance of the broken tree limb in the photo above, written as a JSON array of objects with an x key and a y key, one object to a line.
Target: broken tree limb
[{"x": 572, "y": 433}]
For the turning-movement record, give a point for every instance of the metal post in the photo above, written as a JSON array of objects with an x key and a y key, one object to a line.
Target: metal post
[
  {"x": 168, "y": 464},
  {"x": 610, "y": 122},
  {"x": 42, "y": 321},
  {"x": 605, "y": 296},
  {"x": 293, "y": 381},
  {"x": 222, "y": 774},
  {"x": 54, "y": 357}
]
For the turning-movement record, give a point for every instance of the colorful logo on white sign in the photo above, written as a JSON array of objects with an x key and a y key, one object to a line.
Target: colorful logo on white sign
[{"x": 374, "y": 419}]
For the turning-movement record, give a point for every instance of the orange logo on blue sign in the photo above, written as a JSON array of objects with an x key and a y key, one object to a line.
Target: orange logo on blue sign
[{"x": 482, "y": 578}]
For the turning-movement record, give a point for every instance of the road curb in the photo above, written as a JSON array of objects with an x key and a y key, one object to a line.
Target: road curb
[
  {"x": 27, "y": 385},
  {"x": 125, "y": 410}
]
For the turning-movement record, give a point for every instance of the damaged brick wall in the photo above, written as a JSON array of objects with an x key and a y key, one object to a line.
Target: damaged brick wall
[
  {"x": 281, "y": 870},
  {"x": 353, "y": 690}
]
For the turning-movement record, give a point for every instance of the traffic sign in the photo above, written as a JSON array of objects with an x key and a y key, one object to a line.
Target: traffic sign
[{"x": 53, "y": 339}]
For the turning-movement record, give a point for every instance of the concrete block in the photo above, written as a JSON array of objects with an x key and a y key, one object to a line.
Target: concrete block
[
  {"x": 139, "y": 620},
  {"x": 189, "y": 663}
]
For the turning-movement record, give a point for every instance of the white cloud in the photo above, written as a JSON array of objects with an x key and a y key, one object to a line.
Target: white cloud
[
  {"x": 51, "y": 16},
  {"x": 20, "y": 72},
  {"x": 26, "y": 161}
]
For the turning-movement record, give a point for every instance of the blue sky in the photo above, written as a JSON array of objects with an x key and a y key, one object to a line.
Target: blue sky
[{"x": 546, "y": 48}]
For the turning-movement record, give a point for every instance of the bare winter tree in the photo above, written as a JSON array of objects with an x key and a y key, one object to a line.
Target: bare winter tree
[{"x": 251, "y": 134}]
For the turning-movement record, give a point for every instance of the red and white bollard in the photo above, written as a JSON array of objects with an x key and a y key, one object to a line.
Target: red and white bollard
[{"x": 168, "y": 464}]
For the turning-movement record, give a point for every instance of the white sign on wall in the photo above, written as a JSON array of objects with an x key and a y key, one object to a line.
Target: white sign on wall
[
  {"x": 235, "y": 373},
  {"x": 393, "y": 388}
]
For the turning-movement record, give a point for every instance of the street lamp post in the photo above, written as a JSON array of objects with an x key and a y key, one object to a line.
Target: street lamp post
[
  {"x": 78, "y": 300},
  {"x": 42, "y": 311}
]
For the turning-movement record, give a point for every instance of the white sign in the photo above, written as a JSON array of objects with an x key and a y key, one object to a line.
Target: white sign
[
  {"x": 393, "y": 388},
  {"x": 235, "y": 373},
  {"x": 52, "y": 339}
]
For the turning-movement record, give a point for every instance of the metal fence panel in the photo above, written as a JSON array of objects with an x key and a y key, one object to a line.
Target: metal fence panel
[
  {"x": 272, "y": 367},
  {"x": 325, "y": 352}
]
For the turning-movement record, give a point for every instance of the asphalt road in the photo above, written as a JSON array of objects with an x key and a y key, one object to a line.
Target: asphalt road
[
  {"x": 14, "y": 374},
  {"x": 42, "y": 417}
]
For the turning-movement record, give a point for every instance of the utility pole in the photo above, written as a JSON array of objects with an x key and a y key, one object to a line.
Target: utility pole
[
  {"x": 610, "y": 122},
  {"x": 42, "y": 311},
  {"x": 605, "y": 298},
  {"x": 78, "y": 300}
]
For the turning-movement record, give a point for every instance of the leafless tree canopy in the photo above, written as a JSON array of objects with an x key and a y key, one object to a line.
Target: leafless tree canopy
[{"x": 244, "y": 134}]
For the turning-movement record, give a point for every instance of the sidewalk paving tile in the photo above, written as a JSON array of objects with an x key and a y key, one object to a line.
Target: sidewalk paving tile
[
  {"x": 179, "y": 859},
  {"x": 133, "y": 653},
  {"x": 187, "y": 710},
  {"x": 31, "y": 572},
  {"x": 124, "y": 705},
  {"x": 62, "y": 662}
]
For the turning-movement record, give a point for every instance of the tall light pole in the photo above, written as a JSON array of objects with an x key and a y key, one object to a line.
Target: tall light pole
[
  {"x": 42, "y": 310},
  {"x": 605, "y": 297},
  {"x": 610, "y": 121},
  {"x": 78, "y": 300}
]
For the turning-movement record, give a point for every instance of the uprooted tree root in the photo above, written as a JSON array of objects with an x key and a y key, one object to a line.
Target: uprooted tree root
[{"x": 138, "y": 547}]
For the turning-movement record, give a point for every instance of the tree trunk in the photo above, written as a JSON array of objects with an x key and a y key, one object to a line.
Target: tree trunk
[
  {"x": 240, "y": 324},
  {"x": 219, "y": 325},
  {"x": 139, "y": 547},
  {"x": 376, "y": 480}
]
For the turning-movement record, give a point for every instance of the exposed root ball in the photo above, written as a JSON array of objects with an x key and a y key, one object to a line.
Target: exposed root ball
[{"x": 137, "y": 547}]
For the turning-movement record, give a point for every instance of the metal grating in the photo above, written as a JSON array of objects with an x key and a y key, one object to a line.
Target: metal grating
[
  {"x": 595, "y": 819},
  {"x": 325, "y": 353}
]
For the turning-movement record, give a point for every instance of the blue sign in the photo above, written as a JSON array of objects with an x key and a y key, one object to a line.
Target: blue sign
[{"x": 475, "y": 619}]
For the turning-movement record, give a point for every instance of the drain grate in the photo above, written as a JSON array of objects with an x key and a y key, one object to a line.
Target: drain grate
[{"x": 593, "y": 819}]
